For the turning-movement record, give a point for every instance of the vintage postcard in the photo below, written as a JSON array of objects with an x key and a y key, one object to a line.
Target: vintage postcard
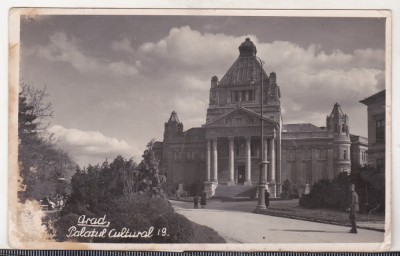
[{"x": 235, "y": 130}]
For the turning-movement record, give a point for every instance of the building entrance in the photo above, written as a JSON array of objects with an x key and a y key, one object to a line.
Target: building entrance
[{"x": 241, "y": 174}]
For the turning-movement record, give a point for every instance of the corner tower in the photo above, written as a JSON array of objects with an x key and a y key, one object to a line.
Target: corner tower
[
  {"x": 338, "y": 123},
  {"x": 173, "y": 128}
]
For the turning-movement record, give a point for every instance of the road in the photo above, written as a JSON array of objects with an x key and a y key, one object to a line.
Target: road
[{"x": 243, "y": 226}]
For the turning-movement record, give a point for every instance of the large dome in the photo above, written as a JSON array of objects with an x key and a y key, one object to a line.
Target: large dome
[{"x": 246, "y": 69}]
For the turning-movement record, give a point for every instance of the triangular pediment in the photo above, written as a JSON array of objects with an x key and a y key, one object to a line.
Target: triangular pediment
[{"x": 239, "y": 117}]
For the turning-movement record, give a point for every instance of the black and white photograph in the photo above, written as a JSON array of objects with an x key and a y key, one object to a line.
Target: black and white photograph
[{"x": 207, "y": 128}]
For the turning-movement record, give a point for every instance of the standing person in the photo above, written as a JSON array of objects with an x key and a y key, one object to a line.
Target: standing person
[
  {"x": 266, "y": 196},
  {"x": 353, "y": 208},
  {"x": 196, "y": 201},
  {"x": 203, "y": 200}
]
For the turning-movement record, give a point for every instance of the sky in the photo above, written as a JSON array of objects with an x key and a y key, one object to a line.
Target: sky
[{"x": 114, "y": 80}]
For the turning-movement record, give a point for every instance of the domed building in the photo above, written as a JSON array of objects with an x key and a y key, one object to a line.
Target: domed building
[{"x": 223, "y": 156}]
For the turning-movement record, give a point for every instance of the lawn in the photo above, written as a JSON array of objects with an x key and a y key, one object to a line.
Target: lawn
[{"x": 291, "y": 208}]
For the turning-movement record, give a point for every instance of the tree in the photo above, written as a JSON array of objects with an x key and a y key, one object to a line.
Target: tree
[
  {"x": 370, "y": 187},
  {"x": 41, "y": 163},
  {"x": 38, "y": 106},
  {"x": 150, "y": 179}
]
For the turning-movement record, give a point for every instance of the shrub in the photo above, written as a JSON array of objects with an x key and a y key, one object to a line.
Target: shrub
[
  {"x": 178, "y": 229},
  {"x": 137, "y": 212},
  {"x": 62, "y": 225},
  {"x": 324, "y": 194},
  {"x": 370, "y": 186},
  {"x": 290, "y": 190},
  {"x": 334, "y": 194},
  {"x": 194, "y": 188}
]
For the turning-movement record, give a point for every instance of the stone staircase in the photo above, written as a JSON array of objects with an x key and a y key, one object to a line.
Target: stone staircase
[{"x": 238, "y": 191}]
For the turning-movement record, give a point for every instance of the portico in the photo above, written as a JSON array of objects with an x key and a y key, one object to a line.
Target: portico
[
  {"x": 234, "y": 150},
  {"x": 235, "y": 159}
]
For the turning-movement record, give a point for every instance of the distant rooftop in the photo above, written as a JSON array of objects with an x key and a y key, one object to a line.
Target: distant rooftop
[
  {"x": 377, "y": 96},
  {"x": 194, "y": 134},
  {"x": 359, "y": 139},
  {"x": 305, "y": 127}
]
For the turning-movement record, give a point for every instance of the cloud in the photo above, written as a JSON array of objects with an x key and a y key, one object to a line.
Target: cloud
[
  {"x": 311, "y": 80},
  {"x": 174, "y": 73},
  {"x": 189, "y": 50},
  {"x": 92, "y": 146},
  {"x": 123, "y": 45},
  {"x": 62, "y": 48}
]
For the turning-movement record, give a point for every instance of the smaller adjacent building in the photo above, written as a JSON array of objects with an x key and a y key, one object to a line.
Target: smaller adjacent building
[
  {"x": 376, "y": 129},
  {"x": 359, "y": 150}
]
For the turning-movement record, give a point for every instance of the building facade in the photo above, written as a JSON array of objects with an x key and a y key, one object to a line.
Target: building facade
[
  {"x": 376, "y": 129},
  {"x": 359, "y": 150},
  {"x": 224, "y": 154}
]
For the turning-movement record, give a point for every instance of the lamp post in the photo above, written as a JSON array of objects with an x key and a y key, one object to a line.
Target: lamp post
[{"x": 261, "y": 181}]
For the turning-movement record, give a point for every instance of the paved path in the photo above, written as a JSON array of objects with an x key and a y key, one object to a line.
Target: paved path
[{"x": 246, "y": 227}]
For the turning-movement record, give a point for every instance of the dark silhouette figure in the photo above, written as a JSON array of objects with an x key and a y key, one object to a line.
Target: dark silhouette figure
[
  {"x": 266, "y": 196},
  {"x": 353, "y": 208},
  {"x": 203, "y": 200},
  {"x": 196, "y": 201}
]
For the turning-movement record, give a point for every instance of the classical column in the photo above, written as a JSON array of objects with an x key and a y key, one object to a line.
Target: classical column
[
  {"x": 247, "y": 180},
  {"x": 208, "y": 160},
  {"x": 278, "y": 164},
  {"x": 299, "y": 173},
  {"x": 231, "y": 181},
  {"x": 272, "y": 171},
  {"x": 266, "y": 159},
  {"x": 314, "y": 165},
  {"x": 215, "y": 159}
]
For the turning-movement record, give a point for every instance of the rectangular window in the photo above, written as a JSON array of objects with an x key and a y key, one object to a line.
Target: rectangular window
[
  {"x": 243, "y": 95},
  {"x": 306, "y": 154},
  {"x": 235, "y": 96},
  {"x": 238, "y": 120},
  {"x": 252, "y": 149},
  {"x": 380, "y": 164},
  {"x": 322, "y": 153},
  {"x": 345, "y": 154},
  {"x": 293, "y": 155},
  {"x": 380, "y": 131},
  {"x": 251, "y": 95}
]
